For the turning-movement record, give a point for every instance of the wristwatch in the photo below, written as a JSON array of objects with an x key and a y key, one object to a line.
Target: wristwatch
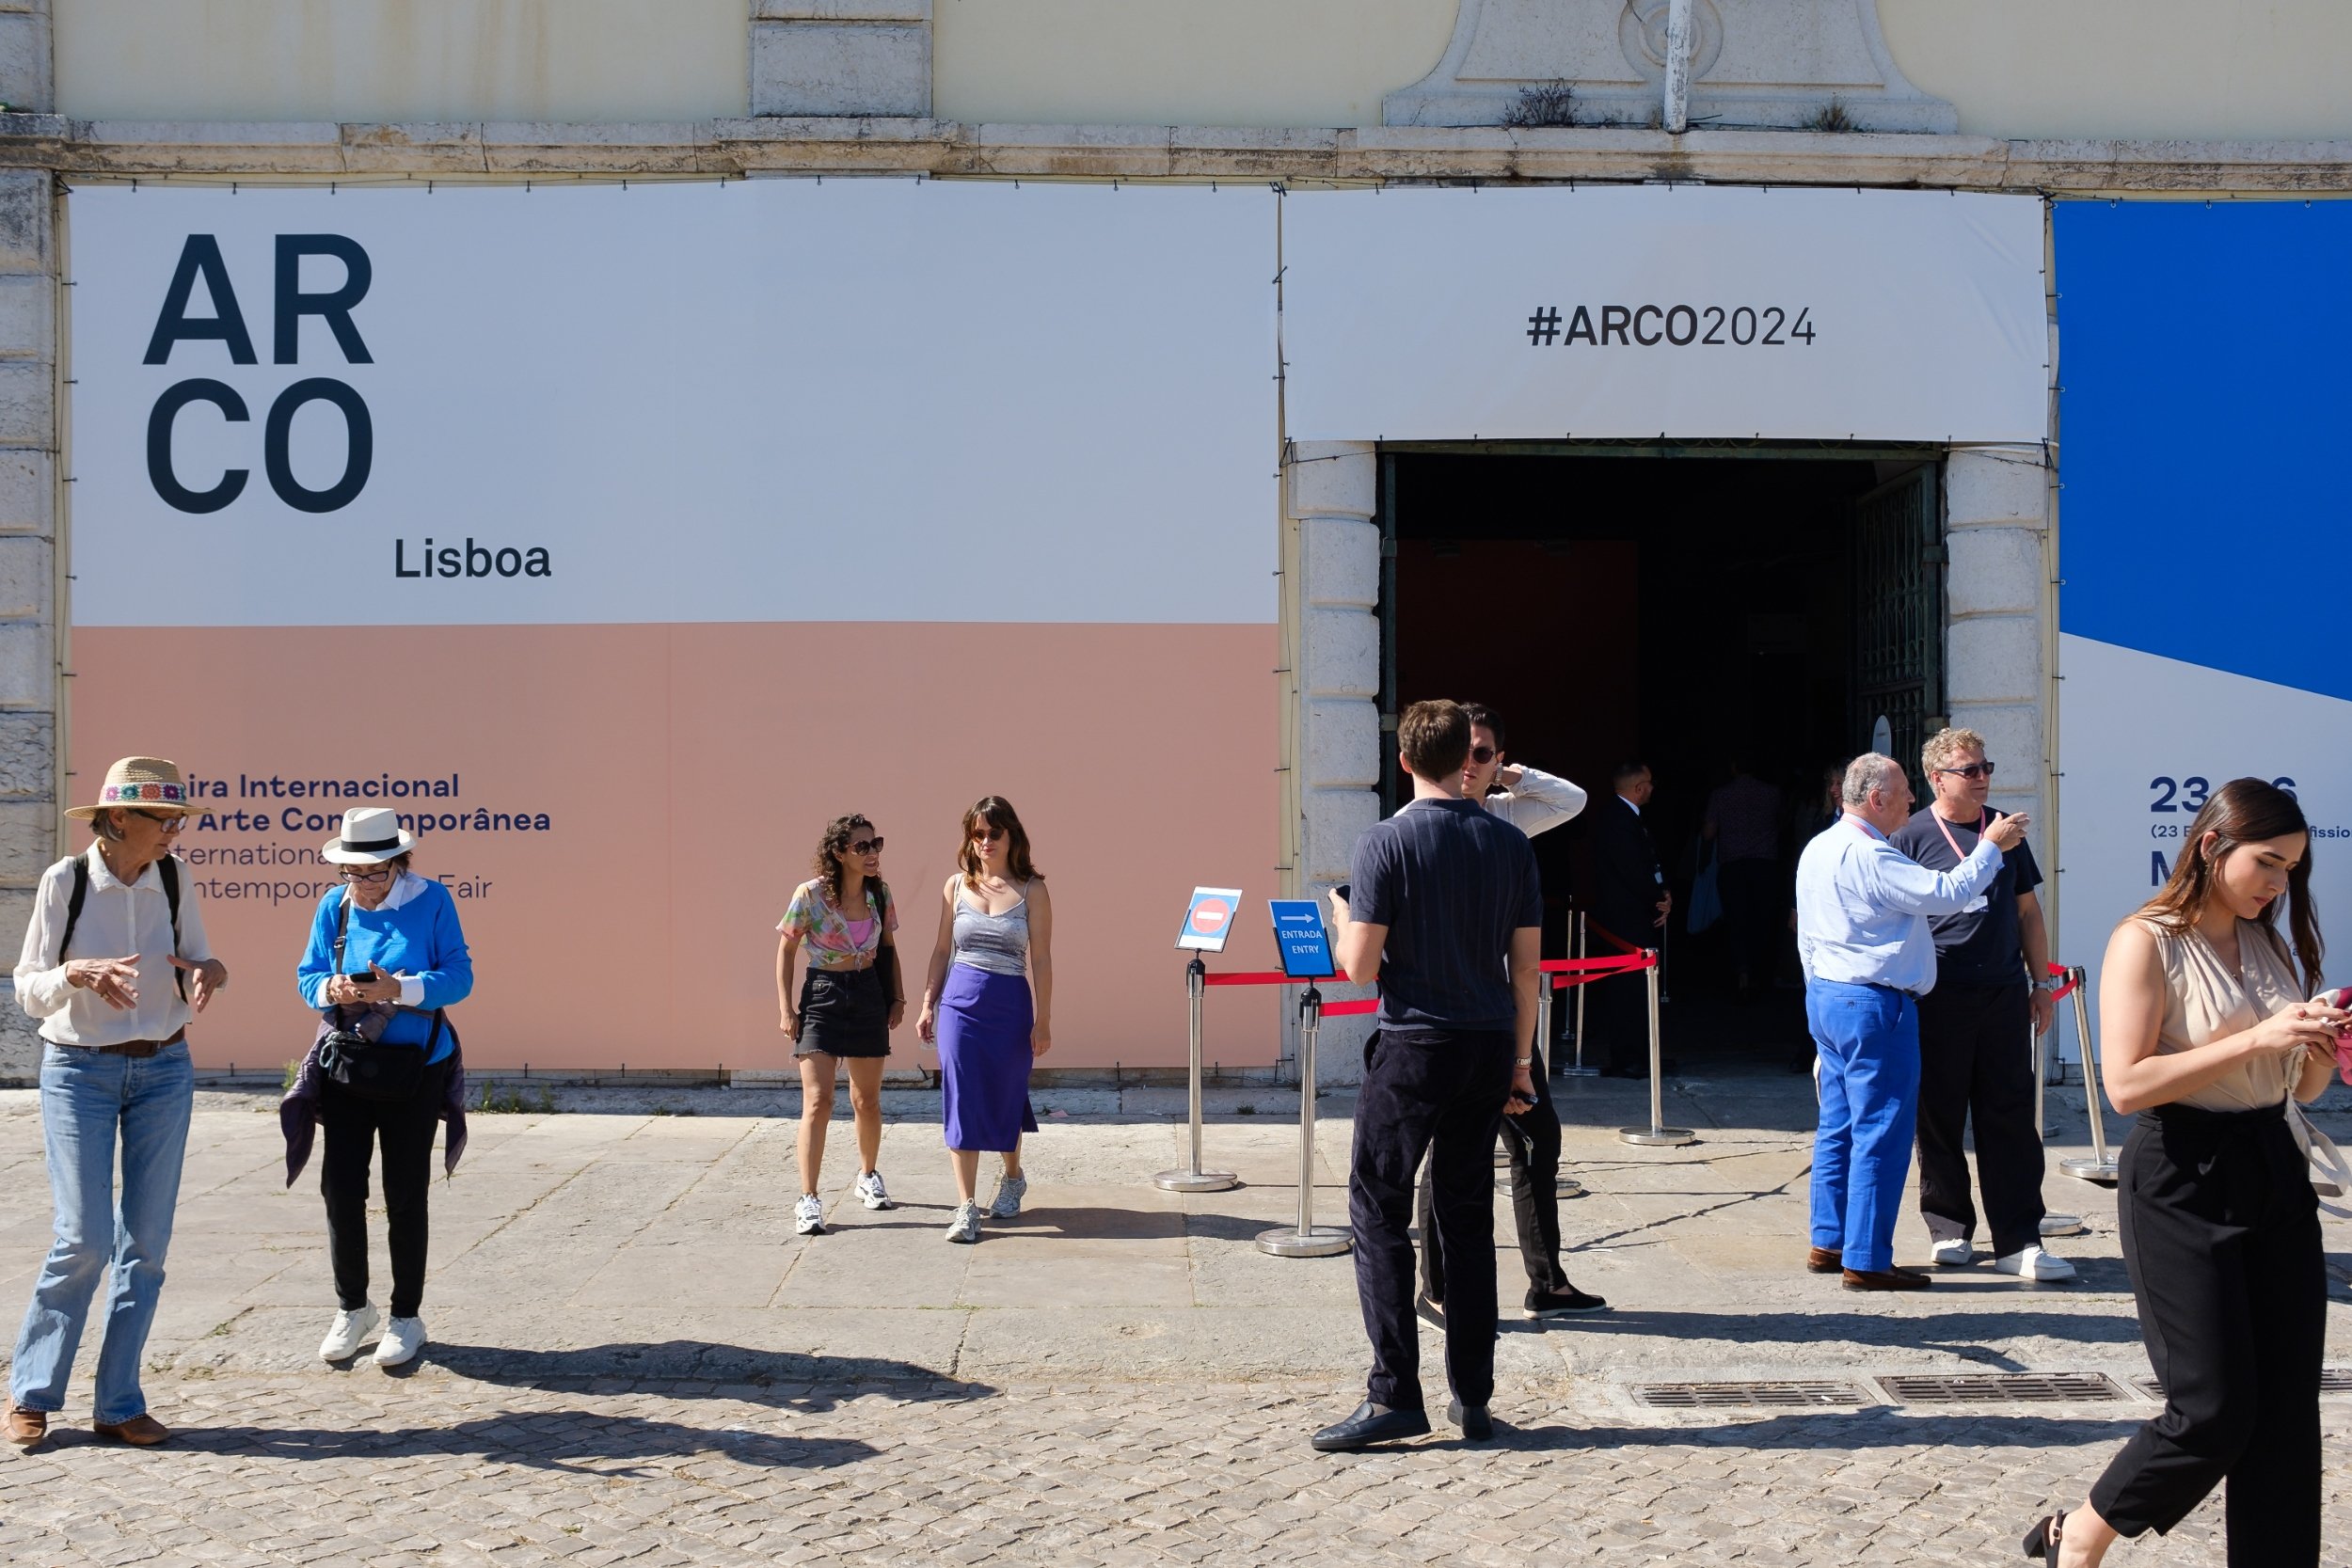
[{"x": 1522, "y": 1061}]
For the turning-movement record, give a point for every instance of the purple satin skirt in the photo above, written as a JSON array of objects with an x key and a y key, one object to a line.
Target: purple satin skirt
[{"x": 984, "y": 1056}]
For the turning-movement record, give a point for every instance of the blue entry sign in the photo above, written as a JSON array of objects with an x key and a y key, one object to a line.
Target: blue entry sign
[
  {"x": 1209, "y": 919},
  {"x": 1299, "y": 933}
]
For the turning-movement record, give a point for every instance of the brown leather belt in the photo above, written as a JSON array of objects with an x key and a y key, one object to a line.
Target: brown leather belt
[{"x": 135, "y": 1048}]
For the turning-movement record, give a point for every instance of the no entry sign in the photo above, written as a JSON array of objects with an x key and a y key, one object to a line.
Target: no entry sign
[{"x": 1209, "y": 919}]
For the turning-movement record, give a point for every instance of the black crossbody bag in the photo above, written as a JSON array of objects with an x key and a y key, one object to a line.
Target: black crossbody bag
[{"x": 351, "y": 1050}]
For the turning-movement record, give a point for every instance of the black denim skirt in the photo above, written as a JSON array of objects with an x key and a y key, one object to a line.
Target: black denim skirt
[{"x": 844, "y": 1013}]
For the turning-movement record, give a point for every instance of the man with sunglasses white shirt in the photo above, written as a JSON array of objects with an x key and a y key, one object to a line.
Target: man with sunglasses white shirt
[{"x": 1531, "y": 800}]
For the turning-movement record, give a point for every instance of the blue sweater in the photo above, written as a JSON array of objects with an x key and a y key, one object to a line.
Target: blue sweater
[{"x": 420, "y": 938}]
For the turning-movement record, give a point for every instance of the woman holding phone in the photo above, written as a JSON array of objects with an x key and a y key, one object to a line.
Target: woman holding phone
[
  {"x": 846, "y": 1008},
  {"x": 986, "y": 1002},
  {"x": 386, "y": 957},
  {"x": 2205, "y": 1033}
]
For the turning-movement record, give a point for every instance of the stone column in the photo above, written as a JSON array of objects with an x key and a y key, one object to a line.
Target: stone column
[
  {"x": 1996, "y": 520},
  {"x": 29, "y": 824},
  {"x": 841, "y": 57},
  {"x": 27, "y": 80},
  {"x": 1332, "y": 490}
]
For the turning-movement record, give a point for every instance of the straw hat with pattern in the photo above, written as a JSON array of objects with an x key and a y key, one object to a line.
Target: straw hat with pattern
[{"x": 145, "y": 783}]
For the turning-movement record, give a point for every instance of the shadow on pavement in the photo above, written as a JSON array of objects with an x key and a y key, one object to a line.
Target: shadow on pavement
[
  {"x": 580, "y": 1441},
  {"x": 695, "y": 1368},
  {"x": 1843, "y": 1430},
  {"x": 1960, "y": 1332}
]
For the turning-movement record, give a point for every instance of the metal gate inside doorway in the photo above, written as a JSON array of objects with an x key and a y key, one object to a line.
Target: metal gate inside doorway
[{"x": 1899, "y": 618}]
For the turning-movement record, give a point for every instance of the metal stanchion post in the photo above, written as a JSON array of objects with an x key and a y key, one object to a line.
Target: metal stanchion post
[
  {"x": 1579, "y": 1070},
  {"x": 1307, "y": 1239},
  {"x": 2052, "y": 1223},
  {"x": 1192, "y": 1178},
  {"x": 1656, "y": 1131},
  {"x": 2100, "y": 1165}
]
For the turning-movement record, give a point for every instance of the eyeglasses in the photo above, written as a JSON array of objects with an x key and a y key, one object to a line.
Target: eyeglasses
[
  {"x": 866, "y": 845},
  {"x": 1483, "y": 755},
  {"x": 373, "y": 873},
  {"x": 169, "y": 822},
  {"x": 1974, "y": 770},
  {"x": 987, "y": 835}
]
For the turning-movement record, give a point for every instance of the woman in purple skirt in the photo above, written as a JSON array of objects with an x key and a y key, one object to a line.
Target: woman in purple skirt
[{"x": 985, "y": 1004}]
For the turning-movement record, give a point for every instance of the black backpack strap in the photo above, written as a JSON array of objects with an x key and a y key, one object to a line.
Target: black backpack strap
[
  {"x": 73, "y": 902},
  {"x": 342, "y": 928},
  {"x": 168, "y": 869}
]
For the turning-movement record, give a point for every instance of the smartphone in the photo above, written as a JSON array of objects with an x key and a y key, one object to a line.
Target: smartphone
[{"x": 1346, "y": 894}]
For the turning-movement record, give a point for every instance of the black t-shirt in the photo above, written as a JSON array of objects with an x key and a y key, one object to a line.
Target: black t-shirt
[
  {"x": 1451, "y": 882},
  {"x": 1981, "y": 945}
]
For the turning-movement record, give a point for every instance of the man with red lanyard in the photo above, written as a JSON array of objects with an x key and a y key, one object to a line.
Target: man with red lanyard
[
  {"x": 1991, "y": 968},
  {"x": 1862, "y": 933}
]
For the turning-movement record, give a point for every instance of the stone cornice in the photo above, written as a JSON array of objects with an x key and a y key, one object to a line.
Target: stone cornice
[{"x": 503, "y": 150}]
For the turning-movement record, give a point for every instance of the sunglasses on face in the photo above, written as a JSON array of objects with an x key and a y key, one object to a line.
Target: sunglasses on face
[
  {"x": 1974, "y": 770},
  {"x": 1483, "y": 755},
  {"x": 987, "y": 835},
  {"x": 866, "y": 845},
  {"x": 372, "y": 873}
]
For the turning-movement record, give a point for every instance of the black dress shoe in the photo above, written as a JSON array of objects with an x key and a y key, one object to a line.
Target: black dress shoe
[
  {"x": 1477, "y": 1426},
  {"x": 1561, "y": 1304},
  {"x": 1371, "y": 1424}
]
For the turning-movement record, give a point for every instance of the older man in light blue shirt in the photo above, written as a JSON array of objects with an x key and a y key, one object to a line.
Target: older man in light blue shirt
[{"x": 1862, "y": 932}]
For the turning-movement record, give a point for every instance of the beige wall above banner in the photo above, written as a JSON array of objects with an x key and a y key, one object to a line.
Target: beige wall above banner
[{"x": 1538, "y": 314}]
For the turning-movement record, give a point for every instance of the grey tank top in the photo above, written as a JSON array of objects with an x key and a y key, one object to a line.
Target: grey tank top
[{"x": 999, "y": 944}]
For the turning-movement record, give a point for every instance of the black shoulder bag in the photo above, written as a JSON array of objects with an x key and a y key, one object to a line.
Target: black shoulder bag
[{"x": 352, "y": 1050}]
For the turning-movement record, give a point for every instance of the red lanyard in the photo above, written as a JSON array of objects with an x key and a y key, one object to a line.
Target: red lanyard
[{"x": 1948, "y": 832}]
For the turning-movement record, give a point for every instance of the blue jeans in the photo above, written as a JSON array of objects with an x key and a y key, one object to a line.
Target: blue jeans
[
  {"x": 88, "y": 1101},
  {"x": 1869, "y": 1038}
]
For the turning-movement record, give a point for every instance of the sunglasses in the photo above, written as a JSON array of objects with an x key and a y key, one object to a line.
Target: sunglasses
[
  {"x": 373, "y": 873},
  {"x": 1974, "y": 770},
  {"x": 988, "y": 835},
  {"x": 866, "y": 845},
  {"x": 1483, "y": 755}
]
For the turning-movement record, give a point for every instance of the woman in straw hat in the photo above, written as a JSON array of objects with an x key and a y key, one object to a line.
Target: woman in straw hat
[
  {"x": 386, "y": 957},
  {"x": 115, "y": 965}
]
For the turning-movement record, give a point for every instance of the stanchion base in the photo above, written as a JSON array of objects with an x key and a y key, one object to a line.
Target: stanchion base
[
  {"x": 1195, "y": 1180},
  {"x": 1502, "y": 1159},
  {"x": 1322, "y": 1241},
  {"x": 2062, "y": 1224},
  {"x": 2087, "y": 1169},
  {"x": 1667, "y": 1138},
  {"x": 1567, "y": 1186},
  {"x": 1579, "y": 1072}
]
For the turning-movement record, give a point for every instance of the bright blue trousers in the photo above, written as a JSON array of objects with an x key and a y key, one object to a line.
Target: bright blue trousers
[{"x": 1869, "y": 1039}]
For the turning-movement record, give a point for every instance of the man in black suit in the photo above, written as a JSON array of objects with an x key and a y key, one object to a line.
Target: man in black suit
[{"x": 1631, "y": 901}]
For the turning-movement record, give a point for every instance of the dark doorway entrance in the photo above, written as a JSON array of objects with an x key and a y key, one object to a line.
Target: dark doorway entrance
[{"x": 1685, "y": 612}]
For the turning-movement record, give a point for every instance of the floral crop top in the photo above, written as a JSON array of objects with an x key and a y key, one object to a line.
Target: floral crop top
[{"x": 833, "y": 941}]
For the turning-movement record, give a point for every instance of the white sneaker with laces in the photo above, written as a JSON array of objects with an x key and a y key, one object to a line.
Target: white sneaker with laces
[
  {"x": 1957, "y": 1253},
  {"x": 349, "y": 1332},
  {"x": 1010, "y": 1189},
  {"x": 871, "y": 1193},
  {"x": 808, "y": 1215},
  {"x": 965, "y": 1227},
  {"x": 403, "y": 1338},
  {"x": 2034, "y": 1263}
]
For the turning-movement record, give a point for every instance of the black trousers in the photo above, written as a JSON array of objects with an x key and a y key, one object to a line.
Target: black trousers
[
  {"x": 1532, "y": 1141},
  {"x": 1617, "y": 1013},
  {"x": 1975, "y": 1064},
  {"x": 1752, "y": 916},
  {"x": 2220, "y": 1231},
  {"x": 350, "y": 1129},
  {"x": 1439, "y": 1092}
]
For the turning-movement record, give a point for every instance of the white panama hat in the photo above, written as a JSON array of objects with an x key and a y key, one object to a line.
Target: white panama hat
[{"x": 371, "y": 834}]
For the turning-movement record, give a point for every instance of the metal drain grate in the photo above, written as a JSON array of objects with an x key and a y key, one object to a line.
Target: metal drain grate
[
  {"x": 2000, "y": 1388},
  {"x": 1799, "y": 1394},
  {"x": 2333, "y": 1379}
]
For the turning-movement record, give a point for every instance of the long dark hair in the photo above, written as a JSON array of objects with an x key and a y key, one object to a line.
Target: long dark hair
[
  {"x": 997, "y": 813},
  {"x": 2244, "y": 811},
  {"x": 837, "y": 836}
]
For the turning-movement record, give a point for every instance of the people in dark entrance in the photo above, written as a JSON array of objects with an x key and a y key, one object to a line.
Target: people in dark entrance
[
  {"x": 1531, "y": 800},
  {"x": 1742, "y": 821},
  {"x": 1445, "y": 910},
  {"x": 1862, "y": 931},
  {"x": 1992, "y": 975},
  {"x": 2205, "y": 1034},
  {"x": 1631, "y": 903}
]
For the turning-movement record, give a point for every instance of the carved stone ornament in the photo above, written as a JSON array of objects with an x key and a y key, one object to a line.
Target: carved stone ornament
[{"x": 1753, "y": 63}]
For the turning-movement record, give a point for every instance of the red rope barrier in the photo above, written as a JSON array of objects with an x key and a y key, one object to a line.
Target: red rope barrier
[
  {"x": 2065, "y": 990},
  {"x": 1252, "y": 978}
]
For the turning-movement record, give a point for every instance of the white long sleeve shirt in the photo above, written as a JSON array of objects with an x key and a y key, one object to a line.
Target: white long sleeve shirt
[
  {"x": 1863, "y": 906},
  {"x": 1541, "y": 800},
  {"x": 117, "y": 920}
]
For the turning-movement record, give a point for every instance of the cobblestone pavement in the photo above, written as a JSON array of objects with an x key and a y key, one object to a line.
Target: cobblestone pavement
[{"x": 634, "y": 1361}]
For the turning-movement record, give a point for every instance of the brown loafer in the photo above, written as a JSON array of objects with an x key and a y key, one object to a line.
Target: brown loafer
[
  {"x": 26, "y": 1429},
  {"x": 1890, "y": 1279},
  {"x": 1824, "y": 1260},
  {"x": 140, "y": 1431}
]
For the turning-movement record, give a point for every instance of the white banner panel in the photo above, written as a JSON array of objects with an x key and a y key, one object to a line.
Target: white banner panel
[
  {"x": 854, "y": 400},
  {"x": 1616, "y": 311}
]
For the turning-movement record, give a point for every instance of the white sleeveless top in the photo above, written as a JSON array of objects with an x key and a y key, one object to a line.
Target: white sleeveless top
[{"x": 2203, "y": 1001}]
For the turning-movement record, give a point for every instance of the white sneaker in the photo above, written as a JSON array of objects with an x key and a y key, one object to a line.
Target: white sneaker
[
  {"x": 808, "y": 1215},
  {"x": 1958, "y": 1253},
  {"x": 965, "y": 1227},
  {"x": 1010, "y": 1189},
  {"x": 350, "y": 1331},
  {"x": 2034, "y": 1263},
  {"x": 403, "y": 1338},
  {"x": 871, "y": 1193}
]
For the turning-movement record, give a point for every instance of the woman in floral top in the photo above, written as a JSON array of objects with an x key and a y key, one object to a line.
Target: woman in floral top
[{"x": 845, "y": 1007}]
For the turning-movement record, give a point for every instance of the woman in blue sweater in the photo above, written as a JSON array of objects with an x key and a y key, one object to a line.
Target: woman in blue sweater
[{"x": 386, "y": 956}]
